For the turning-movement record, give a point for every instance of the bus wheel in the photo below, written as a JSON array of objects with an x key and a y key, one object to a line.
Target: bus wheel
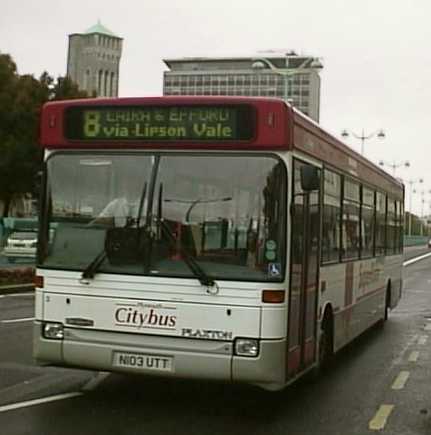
[
  {"x": 326, "y": 350},
  {"x": 387, "y": 302},
  {"x": 381, "y": 322}
]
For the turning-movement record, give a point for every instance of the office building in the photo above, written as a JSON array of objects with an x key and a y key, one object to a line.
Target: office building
[{"x": 292, "y": 77}]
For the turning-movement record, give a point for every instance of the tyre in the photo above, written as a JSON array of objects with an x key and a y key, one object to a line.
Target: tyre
[
  {"x": 381, "y": 322},
  {"x": 326, "y": 343}
]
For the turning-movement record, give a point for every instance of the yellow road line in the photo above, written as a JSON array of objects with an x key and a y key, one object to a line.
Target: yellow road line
[
  {"x": 401, "y": 380},
  {"x": 380, "y": 419},
  {"x": 414, "y": 356}
]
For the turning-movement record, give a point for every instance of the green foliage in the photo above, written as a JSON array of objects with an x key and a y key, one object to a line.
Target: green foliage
[{"x": 21, "y": 99}]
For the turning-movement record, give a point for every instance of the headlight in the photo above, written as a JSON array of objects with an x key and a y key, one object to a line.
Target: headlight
[
  {"x": 246, "y": 347},
  {"x": 53, "y": 331}
]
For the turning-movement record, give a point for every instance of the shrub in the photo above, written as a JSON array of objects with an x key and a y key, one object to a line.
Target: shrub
[{"x": 22, "y": 275}]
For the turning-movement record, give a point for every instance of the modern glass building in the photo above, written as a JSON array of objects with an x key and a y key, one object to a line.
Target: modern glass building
[{"x": 292, "y": 77}]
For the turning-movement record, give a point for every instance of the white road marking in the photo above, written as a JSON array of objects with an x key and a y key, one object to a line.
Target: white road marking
[
  {"x": 25, "y": 319},
  {"x": 401, "y": 380},
  {"x": 34, "y": 402},
  {"x": 414, "y": 260},
  {"x": 414, "y": 356},
  {"x": 18, "y": 295},
  {"x": 96, "y": 381},
  {"x": 380, "y": 419},
  {"x": 423, "y": 340}
]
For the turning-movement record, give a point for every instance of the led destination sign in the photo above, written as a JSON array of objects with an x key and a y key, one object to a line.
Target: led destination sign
[{"x": 162, "y": 123}]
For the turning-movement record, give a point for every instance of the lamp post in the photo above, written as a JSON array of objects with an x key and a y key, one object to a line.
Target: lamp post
[
  {"x": 411, "y": 183},
  {"x": 363, "y": 137},
  {"x": 395, "y": 165},
  {"x": 262, "y": 63}
]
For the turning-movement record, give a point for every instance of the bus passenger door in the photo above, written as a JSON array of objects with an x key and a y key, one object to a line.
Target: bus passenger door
[{"x": 304, "y": 272}]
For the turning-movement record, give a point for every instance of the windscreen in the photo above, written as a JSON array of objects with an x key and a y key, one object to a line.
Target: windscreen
[{"x": 160, "y": 214}]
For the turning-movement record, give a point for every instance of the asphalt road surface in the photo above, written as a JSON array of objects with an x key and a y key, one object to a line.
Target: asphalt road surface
[{"x": 379, "y": 383}]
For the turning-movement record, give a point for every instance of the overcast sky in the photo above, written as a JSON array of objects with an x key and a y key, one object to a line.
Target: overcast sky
[{"x": 376, "y": 55}]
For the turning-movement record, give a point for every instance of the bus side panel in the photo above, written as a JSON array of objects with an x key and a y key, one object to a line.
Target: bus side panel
[{"x": 356, "y": 291}]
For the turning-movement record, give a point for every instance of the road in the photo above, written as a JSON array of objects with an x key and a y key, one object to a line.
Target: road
[{"x": 381, "y": 381}]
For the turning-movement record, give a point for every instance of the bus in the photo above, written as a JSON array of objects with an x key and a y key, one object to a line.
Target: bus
[{"x": 212, "y": 238}]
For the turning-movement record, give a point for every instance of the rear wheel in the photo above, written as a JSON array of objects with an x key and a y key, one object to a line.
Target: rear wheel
[
  {"x": 382, "y": 321},
  {"x": 387, "y": 303},
  {"x": 326, "y": 348}
]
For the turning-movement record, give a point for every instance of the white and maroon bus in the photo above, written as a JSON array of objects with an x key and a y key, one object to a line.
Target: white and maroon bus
[{"x": 214, "y": 238}]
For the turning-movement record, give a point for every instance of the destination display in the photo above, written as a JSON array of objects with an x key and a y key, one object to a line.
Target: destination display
[{"x": 161, "y": 123}]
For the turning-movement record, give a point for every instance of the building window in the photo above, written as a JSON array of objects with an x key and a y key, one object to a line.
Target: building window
[
  {"x": 112, "y": 87},
  {"x": 99, "y": 83}
]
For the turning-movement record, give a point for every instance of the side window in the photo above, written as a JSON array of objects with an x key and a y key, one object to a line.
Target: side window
[
  {"x": 391, "y": 229},
  {"x": 367, "y": 223},
  {"x": 331, "y": 217},
  {"x": 350, "y": 224},
  {"x": 380, "y": 223},
  {"x": 400, "y": 226}
]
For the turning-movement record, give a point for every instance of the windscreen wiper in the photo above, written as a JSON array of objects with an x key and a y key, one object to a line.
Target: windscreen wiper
[
  {"x": 92, "y": 268},
  {"x": 193, "y": 265}
]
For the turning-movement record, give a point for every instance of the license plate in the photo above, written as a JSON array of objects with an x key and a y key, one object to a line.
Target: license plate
[{"x": 142, "y": 361}]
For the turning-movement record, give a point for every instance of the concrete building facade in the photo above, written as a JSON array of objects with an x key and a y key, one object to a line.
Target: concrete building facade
[
  {"x": 93, "y": 61},
  {"x": 292, "y": 77}
]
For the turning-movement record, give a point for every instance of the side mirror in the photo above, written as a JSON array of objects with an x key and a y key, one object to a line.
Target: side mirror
[{"x": 310, "y": 178}]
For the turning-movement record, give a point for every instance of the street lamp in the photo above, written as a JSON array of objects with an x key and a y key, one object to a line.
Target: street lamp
[
  {"x": 394, "y": 165},
  {"x": 411, "y": 183},
  {"x": 261, "y": 63},
  {"x": 363, "y": 137}
]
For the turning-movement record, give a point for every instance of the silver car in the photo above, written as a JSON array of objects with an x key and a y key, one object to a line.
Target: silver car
[{"x": 21, "y": 245}]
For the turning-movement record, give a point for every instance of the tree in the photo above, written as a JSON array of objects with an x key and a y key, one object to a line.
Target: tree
[
  {"x": 66, "y": 89},
  {"x": 21, "y": 99}
]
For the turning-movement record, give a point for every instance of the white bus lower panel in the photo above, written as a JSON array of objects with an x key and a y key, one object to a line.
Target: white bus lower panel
[{"x": 162, "y": 356}]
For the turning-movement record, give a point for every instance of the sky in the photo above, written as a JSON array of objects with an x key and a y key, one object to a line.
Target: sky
[{"x": 376, "y": 56}]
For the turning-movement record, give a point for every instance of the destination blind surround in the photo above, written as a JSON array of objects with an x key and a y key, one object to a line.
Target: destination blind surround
[{"x": 162, "y": 123}]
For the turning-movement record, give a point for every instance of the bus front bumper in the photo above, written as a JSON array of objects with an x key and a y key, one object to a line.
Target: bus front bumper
[{"x": 162, "y": 356}]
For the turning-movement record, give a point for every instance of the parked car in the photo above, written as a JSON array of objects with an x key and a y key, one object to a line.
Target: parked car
[{"x": 21, "y": 245}]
